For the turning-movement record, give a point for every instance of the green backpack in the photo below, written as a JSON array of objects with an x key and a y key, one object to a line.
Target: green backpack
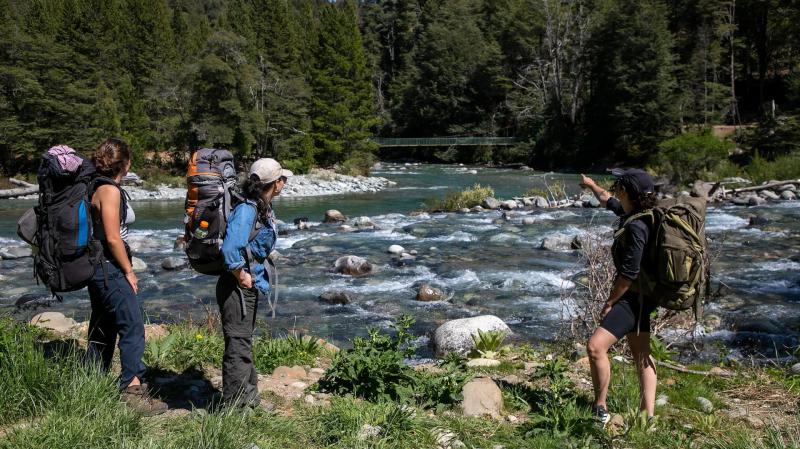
[{"x": 677, "y": 253}]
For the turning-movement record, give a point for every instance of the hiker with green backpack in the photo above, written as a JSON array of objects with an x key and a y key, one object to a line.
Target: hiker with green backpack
[{"x": 660, "y": 260}]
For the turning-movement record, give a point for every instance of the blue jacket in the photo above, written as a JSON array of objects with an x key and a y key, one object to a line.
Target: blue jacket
[{"x": 237, "y": 233}]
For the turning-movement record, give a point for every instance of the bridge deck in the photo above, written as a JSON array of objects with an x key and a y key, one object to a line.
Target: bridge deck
[{"x": 443, "y": 141}]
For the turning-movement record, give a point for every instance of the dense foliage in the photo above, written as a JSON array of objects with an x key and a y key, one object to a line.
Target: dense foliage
[{"x": 310, "y": 81}]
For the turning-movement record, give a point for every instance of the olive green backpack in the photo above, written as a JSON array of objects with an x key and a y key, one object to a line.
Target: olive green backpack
[{"x": 677, "y": 252}]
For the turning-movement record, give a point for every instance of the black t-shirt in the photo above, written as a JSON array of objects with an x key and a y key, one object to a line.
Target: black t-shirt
[{"x": 629, "y": 249}]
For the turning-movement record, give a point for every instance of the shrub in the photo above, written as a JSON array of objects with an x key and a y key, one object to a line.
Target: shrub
[
  {"x": 359, "y": 164},
  {"x": 691, "y": 155},
  {"x": 373, "y": 369},
  {"x": 454, "y": 201},
  {"x": 783, "y": 167},
  {"x": 270, "y": 353}
]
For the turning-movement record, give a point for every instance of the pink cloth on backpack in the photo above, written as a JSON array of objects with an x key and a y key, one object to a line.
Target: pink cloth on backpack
[{"x": 67, "y": 158}]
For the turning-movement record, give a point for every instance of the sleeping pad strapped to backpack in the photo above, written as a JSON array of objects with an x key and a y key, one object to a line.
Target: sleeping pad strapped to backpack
[{"x": 677, "y": 252}]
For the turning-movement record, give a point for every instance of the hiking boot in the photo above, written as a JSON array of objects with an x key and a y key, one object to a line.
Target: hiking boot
[
  {"x": 137, "y": 397},
  {"x": 601, "y": 414}
]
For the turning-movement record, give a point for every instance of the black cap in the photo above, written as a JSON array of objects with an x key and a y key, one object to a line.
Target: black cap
[{"x": 634, "y": 178}]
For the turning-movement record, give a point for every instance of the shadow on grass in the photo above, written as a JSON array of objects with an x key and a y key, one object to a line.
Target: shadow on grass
[{"x": 189, "y": 389}]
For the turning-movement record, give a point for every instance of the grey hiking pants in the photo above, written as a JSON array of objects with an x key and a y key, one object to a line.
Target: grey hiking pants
[{"x": 239, "y": 376}]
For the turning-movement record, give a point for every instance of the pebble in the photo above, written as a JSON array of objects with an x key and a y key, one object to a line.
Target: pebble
[
  {"x": 795, "y": 368},
  {"x": 705, "y": 405},
  {"x": 309, "y": 399},
  {"x": 368, "y": 431},
  {"x": 396, "y": 249}
]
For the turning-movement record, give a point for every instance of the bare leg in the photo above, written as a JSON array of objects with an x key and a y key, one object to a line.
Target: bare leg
[
  {"x": 597, "y": 348},
  {"x": 645, "y": 369}
]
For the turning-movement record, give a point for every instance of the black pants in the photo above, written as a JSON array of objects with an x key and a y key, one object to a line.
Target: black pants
[
  {"x": 239, "y": 376},
  {"x": 115, "y": 311},
  {"x": 627, "y": 316}
]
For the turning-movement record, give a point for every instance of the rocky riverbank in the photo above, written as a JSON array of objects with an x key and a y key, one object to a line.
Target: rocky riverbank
[{"x": 319, "y": 182}]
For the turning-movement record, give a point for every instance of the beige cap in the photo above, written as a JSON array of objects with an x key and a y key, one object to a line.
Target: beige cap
[{"x": 268, "y": 170}]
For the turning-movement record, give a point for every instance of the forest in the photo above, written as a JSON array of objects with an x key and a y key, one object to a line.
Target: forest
[{"x": 580, "y": 83}]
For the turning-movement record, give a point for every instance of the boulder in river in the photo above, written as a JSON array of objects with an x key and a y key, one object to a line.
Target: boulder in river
[
  {"x": 336, "y": 297},
  {"x": 590, "y": 201},
  {"x": 508, "y": 204},
  {"x": 476, "y": 209},
  {"x": 528, "y": 221},
  {"x": 541, "y": 202},
  {"x": 334, "y": 216},
  {"x": 788, "y": 195},
  {"x": 174, "y": 263},
  {"x": 758, "y": 220},
  {"x": 16, "y": 252},
  {"x": 427, "y": 292},
  {"x": 756, "y": 201},
  {"x": 741, "y": 201},
  {"x": 557, "y": 242},
  {"x": 352, "y": 266},
  {"x": 769, "y": 195},
  {"x": 456, "y": 335},
  {"x": 138, "y": 264},
  {"x": 363, "y": 223},
  {"x": 490, "y": 203},
  {"x": 396, "y": 249}
]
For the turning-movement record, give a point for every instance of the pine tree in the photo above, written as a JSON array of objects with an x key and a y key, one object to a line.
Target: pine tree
[
  {"x": 632, "y": 104},
  {"x": 342, "y": 102}
]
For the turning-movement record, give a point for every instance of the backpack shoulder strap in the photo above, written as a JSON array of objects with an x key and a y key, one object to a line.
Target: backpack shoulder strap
[
  {"x": 124, "y": 197},
  {"x": 644, "y": 214}
]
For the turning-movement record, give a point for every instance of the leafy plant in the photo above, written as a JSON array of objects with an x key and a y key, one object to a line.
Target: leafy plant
[
  {"x": 489, "y": 344},
  {"x": 556, "y": 409},
  {"x": 375, "y": 370},
  {"x": 659, "y": 350}
]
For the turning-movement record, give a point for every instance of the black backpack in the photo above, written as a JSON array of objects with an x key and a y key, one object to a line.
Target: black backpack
[{"x": 60, "y": 226}]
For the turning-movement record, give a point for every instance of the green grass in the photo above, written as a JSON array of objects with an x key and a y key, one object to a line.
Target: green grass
[
  {"x": 27, "y": 379},
  {"x": 271, "y": 353},
  {"x": 188, "y": 347},
  {"x": 455, "y": 201},
  {"x": 54, "y": 401}
]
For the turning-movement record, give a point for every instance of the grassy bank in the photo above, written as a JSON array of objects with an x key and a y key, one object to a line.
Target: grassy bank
[{"x": 50, "y": 400}]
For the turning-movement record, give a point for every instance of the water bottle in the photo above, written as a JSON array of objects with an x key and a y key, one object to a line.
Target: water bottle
[{"x": 201, "y": 232}]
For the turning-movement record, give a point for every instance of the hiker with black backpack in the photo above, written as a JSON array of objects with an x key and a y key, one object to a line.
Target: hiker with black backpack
[
  {"x": 249, "y": 238},
  {"x": 625, "y": 313},
  {"x": 113, "y": 287}
]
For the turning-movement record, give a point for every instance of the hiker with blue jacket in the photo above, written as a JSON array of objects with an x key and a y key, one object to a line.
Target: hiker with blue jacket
[
  {"x": 112, "y": 290},
  {"x": 625, "y": 313},
  {"x": 249, "y": 239}
]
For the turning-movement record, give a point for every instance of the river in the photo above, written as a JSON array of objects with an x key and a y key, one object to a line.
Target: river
[{"x": 488, "y": 264}]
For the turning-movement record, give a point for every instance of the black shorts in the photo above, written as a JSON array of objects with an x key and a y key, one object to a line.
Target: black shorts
[{"x": 624, "y": 315}]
